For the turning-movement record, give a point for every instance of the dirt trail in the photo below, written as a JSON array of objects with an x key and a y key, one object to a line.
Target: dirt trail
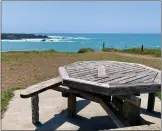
[{"x": 133, "y": 55}]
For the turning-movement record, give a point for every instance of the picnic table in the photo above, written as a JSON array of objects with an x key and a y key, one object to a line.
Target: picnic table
[{"x": 116, "y": 86}]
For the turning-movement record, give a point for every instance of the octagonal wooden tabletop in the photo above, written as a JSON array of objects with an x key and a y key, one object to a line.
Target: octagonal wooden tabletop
[{"x": 111, "y": 77}]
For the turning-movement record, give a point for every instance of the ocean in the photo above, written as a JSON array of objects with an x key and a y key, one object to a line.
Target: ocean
[{"x": 68, "y": 42}]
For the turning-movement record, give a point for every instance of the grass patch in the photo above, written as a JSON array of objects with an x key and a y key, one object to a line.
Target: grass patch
[
  {"x": 110, "y": 49},
  {"x": 30, "y": 67},
  {"x": 85, "y": 50},
  {"x": 6, "y": 97},
  {"x": 145, "y": 51}
]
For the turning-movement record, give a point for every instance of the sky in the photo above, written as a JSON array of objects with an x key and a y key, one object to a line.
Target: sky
[{"x": 81, "y": 17}]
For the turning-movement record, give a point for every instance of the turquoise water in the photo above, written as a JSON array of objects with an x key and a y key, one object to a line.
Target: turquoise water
[{"x": 73, "y": 42}]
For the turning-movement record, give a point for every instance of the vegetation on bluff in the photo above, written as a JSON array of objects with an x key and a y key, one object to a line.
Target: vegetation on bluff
[
  {"x": 13, "y": 36},
  {"x": 144, "y": 51},
  {"x": 84, "y": 50}
]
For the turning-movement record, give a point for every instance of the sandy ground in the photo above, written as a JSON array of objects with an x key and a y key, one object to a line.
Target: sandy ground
[{"x": 53, "y": 114}]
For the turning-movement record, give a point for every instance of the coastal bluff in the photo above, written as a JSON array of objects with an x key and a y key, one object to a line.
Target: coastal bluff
[{"x": 16, "y": 36}]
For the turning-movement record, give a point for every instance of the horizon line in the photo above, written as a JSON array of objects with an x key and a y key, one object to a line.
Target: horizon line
[{"x": 81, "y": 32}]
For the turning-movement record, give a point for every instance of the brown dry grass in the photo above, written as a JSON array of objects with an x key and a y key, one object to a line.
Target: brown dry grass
[{"x": 21, "y": 69}]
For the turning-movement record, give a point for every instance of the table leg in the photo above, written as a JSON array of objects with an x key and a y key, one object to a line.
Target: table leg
[
  {"x": 35, "y": 109},
  {"x": 151, "y": 102},
  {"x": 71, "y": 105}
]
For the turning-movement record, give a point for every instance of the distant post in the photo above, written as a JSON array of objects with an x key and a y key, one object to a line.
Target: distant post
[
  {"x": 142, "y": 48},
  {"x": 103, "y": 46}
]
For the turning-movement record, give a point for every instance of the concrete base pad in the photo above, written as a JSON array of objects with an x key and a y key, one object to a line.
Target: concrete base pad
[{"x": 53, "y": 114}]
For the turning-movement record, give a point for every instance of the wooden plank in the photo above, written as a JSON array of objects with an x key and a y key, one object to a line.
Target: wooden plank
[
  {"x": 151, "y": 102},
  {"x": 40, "y": 87},
  {"x": 99, "y": 88},
  {"x": 129, "y": 89},
  {"x": 79, "y": 93},
  {"x": 71, "y": 105}
]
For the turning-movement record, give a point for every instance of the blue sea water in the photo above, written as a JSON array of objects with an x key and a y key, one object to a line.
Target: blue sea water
[{"x": 73, "y": 42}]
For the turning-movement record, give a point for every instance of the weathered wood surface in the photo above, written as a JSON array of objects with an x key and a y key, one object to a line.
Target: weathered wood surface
[
  {"x": 121, "y": 78},
  {"x": 129, "y": 106},
  {"x": 40, "y": 87},
  {"x": 116, "y": 116},
  {"x": 35, "y": 109},
  {"x": 151, "y": 102},
  {"x": 71, "y": 105}
]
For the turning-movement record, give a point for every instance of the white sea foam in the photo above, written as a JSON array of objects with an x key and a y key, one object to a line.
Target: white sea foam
[
  {"x": 51, "y": 39},
  {"x": 68, "y": 38}
]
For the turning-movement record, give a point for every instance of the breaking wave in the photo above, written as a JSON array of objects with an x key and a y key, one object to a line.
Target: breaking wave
[{"x": 50, "y": 39}]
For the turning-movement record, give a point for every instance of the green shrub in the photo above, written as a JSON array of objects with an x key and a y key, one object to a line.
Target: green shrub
[
  {"x": 84, "y": 50},
  {"x": 52, "y": 50}
]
